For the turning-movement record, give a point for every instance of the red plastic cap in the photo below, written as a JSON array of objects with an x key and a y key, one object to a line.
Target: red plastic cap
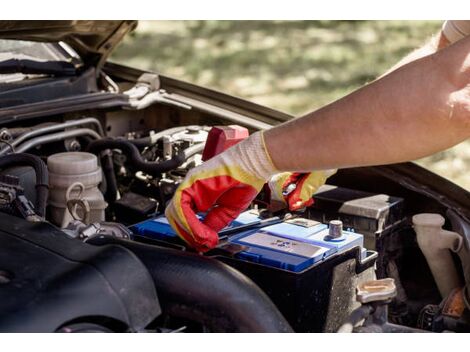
[{"x": 221, "y": 138}]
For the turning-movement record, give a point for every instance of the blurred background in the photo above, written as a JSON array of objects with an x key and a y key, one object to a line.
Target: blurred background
[{"x": 292, "y": 66}]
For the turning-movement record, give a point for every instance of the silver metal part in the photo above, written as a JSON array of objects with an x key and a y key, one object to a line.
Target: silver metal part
[
  {"x": 72, "y": 145},
  {"x": 144, "y": 98},
  {"x": 289, "y": 189},
  {"x": 53, "y": 128},
  {"x": 112, "y": 87},
  {"x": 303, "y": 222},
  {"x": 113, "y": 229},
  {"x": 174, "y": 131},
  {"x": 167, "y": 147},
  {"x": 193, "y": 134},
  {"x": 190, "y": 151},
  {"x": 78, "y": 229},
  {"x": 56, "y": 137},
  {"x": 5, "y": 135},
  {"x": 376, "y": 291},
  {"x": 335, "y": 229}
]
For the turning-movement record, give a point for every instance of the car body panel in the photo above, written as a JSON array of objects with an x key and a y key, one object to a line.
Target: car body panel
[{"x": 92, "y": 40}]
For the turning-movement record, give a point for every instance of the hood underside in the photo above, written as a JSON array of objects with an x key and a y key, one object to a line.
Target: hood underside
[{"x": 92, "y": 40}]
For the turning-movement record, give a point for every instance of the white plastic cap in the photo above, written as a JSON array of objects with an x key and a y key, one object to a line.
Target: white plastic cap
[
  {"x": 428, "y": 219},
  {"x": 71, "y": 167},
  {"x": 72, "y": 163}
]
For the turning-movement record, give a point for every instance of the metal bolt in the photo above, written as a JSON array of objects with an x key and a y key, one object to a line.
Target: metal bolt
[
  {"x": 193, "y": 129},
  {"x": 72, "y": 145},
  {"x": 5, "y": 135},
  {"x": 167, "y": 147},
  {"x": 335, "y": 229}
]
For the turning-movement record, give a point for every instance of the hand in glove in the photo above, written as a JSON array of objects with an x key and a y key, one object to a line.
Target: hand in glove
[
  {"x": 223, "y": 186},
  {"x": 296, "y": 189}
]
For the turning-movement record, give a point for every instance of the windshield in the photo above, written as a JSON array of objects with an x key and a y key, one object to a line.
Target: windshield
[
  {"x": 36, "y": 51},
  {"x": 21, "y": 49}
]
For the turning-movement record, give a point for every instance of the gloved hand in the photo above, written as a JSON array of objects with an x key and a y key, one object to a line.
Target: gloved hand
[
  {"x": 223, "y": 186},
  {"x": 296, "y": 189}
]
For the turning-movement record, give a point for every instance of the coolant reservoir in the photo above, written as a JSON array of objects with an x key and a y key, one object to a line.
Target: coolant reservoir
[{"x": 73, "y": 181}]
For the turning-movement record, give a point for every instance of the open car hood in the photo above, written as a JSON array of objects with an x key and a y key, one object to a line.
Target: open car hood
[{"x": 92, "y": 40}]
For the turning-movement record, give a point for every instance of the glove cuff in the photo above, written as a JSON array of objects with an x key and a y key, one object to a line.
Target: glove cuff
[
  {"x": 455, "y": 30},
  {"x": 254, "y": 156}
]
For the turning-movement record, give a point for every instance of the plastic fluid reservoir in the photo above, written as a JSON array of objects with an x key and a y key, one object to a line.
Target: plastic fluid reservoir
[{"x": 74, "y": 193}]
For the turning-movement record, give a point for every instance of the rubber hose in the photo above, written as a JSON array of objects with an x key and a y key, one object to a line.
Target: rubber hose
[
  {"x": 205, "y": 290},
  {"x": 141, "y": 143},
  {"x": 111, "y": 183},
  {"x": 135, "y": 160},
  {"x": 42, "y": 176}
]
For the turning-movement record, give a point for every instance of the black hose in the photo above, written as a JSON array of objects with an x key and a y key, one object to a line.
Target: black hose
[
  {"x": 141, "y": 143},
  {"x": 205, "y": 290},
  {"x": 42, "y": 176},
  {"x": 111, "y": 183},
  {"x": 135, "y": 160}
]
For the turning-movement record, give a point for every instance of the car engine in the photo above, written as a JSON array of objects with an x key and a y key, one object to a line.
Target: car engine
[{"x": 86, "y": 247}]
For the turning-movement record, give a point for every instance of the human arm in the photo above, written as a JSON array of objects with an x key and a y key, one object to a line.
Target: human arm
[
  {"x": 451, "y": 32},
  {"x": 419, "y": 109}
]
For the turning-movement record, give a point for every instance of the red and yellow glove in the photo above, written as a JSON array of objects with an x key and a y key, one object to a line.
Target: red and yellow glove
[
  {"x": 296, "y": 189},
  {"x": 223, "y": 186}
]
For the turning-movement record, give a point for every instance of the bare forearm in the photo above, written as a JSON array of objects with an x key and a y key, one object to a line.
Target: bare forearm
[
  {"x": 436, "y": 43},
  {"x": 415, "y": 111}
]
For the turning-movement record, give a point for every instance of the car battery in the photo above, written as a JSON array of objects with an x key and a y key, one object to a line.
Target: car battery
[
  {"x": 367, "y": 213},
  {"x": 310, "y": 276},
  {"x": 294, "y": 244}
]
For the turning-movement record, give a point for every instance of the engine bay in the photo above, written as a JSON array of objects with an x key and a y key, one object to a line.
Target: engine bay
[{"x": 103, "y": 178}]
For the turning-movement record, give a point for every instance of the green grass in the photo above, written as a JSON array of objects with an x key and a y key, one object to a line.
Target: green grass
[{"x": 292, "y": 66}]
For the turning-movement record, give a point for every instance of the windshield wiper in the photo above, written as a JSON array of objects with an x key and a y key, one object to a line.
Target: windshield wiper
[{"x": 55, "y": 68}]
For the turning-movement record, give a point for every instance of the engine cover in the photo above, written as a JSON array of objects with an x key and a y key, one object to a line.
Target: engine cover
[{"x": 48, "y": 280}]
